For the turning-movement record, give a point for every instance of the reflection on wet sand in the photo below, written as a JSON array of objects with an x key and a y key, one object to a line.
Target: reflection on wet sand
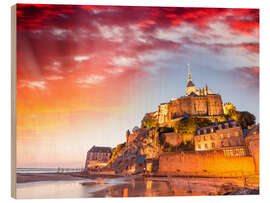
[
  {"x": 135, "y": 186},
  {"x": 149, "y": 187}
]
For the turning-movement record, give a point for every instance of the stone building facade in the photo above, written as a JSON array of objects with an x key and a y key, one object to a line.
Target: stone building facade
[
  {"x": 226, "y": 136},
  {"x": 253, "y": 145},
  {"x": 197, "y": 102},
  {"x": 97, "y": 157}
]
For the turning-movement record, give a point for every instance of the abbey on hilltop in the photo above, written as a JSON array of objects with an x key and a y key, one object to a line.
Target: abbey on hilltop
[{"x": 197, "y": 102}]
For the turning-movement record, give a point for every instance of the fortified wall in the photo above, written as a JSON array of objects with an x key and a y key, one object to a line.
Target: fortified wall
[
  {"x": 206, "y": 105},
  {"x": 205, "y": 164}
]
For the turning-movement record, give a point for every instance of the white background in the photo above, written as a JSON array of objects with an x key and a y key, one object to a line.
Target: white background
[{"x": 264, "y": 93}]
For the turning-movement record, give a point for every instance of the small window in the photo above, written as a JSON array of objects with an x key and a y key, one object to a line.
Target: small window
[
  {"x": 199, "y": 146},
  {"x": 213, "y": 145},
  {"x": 222, "y": 144},
  {"x": 206, "y": 146},
  {"x": 221, "y": 136},
  {"x": 204, "y": 137}
]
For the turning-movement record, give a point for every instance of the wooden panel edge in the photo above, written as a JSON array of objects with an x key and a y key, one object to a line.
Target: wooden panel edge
[{"x": 13, "y": 100}]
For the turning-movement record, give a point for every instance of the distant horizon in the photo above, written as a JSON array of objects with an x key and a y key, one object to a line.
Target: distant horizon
[{"x": 86, "y": 74}]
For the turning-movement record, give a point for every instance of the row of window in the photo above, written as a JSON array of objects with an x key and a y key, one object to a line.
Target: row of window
[
  {"x": 206, "y": 145},
  {"x": 211, "y": 130},
  {"x": 221, "y": 136},
  {"x": 222, "y": 144},
  {"x": 234, "y": 152},
  {"x": 99, "y": 156}
]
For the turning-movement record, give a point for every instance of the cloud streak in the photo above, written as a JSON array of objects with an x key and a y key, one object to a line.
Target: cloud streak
[
  {"x": 41, "y": 85},
  {"x": 77, "y": 65}
]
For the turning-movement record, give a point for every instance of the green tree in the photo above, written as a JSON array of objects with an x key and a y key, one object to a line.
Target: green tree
[
  {"x": 165, "y": 130},
  {"x": 202, "y": 122},
  {"x": 116, "y": 151},
  {"x": 189, "y": 124},
  {"x": 149, "y": 122},
  {"x": 246, "y": 119},
  {"x": 188, "y": 146}
]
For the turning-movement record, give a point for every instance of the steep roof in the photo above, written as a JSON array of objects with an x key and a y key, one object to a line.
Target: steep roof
[
  {"x": 190, "y": 83},
  {"x": 101, "y": 149},
  {"x": 193, "y": 94},
  {"x": 215, "y": 127}
]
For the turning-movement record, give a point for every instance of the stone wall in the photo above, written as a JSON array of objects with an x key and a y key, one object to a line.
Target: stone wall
[
  {"x": 205, "y": 164},
  {"x": 253, "y": 144},
  {"x": 207, "y": 105},
  {"x": 172, "y": 138},
  {"x": 214, "y": 103},
  {"x": 175, "y": 139}
]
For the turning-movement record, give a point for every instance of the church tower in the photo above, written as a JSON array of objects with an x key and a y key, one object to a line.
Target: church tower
[{"x": 190, "y": 86}]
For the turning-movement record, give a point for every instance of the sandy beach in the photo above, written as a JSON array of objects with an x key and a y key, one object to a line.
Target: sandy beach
[{"x": 36, "y": 177}]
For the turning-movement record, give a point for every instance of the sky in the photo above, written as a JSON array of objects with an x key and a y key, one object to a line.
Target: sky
[{"x": 86, "y": 74}]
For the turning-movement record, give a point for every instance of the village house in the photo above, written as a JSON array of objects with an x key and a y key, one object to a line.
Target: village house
[
  {"x": 97, "y": 157},
  {"x": 226, "y": 136}
]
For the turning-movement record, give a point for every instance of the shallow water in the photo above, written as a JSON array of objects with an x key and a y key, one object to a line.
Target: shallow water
[
  {"x": 63, "y": 189},
  {"x": 122, "y": 187}
]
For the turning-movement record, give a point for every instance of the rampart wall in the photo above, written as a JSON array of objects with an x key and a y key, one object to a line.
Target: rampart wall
[{"x": 205, "y": 164}]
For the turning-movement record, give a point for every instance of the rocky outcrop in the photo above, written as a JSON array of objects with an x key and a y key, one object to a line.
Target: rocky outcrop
[{"x": 141, "y": 145}]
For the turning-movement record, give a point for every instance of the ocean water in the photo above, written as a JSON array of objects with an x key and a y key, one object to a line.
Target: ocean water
[{"x": 64, "y": 189}]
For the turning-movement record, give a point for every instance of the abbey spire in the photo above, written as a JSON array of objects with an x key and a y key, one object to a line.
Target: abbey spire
[
  {"x": 189, "y": 74},
  {"x": 190, "y": 86},
  {"x": 191, "y": 89}
]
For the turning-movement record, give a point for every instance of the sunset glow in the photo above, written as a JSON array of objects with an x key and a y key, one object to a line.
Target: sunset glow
[{"x": 86, "y": 74}]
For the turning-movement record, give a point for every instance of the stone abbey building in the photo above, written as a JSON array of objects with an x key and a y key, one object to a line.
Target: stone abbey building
[{"x": 197, "y": 102}]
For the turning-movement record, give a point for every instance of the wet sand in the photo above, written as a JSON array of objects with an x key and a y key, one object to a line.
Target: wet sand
[
  {"x": 161, "y": 186},
  {"x": 72, "y": 185},
  {"x": 36, "y": 177}
]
